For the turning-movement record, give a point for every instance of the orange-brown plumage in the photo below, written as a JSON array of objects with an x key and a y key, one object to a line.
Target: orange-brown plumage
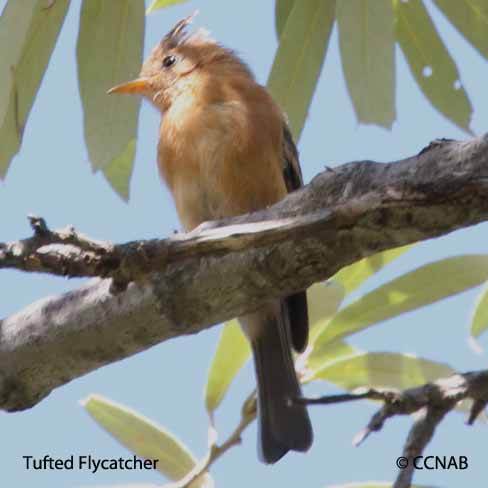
[
  {"x": 221, "y": 156},
  {"x": 224, "y": 149}
]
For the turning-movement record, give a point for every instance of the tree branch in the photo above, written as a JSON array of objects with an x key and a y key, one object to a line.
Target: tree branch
[
  {"x": 433, "y": 400},
  {"x": 226, "y": 268}
]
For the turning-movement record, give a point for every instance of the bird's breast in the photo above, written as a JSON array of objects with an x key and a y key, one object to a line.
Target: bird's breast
[{"x": 214, "y": 169}]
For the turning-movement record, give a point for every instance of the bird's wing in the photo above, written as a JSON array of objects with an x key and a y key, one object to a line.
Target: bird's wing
[
  {"x": 296, "y": 303},
  {"x": 291, "y": 164}
]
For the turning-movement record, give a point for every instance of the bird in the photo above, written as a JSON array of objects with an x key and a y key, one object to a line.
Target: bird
[{"x": 224, "y": 150}]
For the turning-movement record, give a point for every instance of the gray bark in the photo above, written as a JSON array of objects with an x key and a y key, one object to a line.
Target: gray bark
[{"x": 226, "y": 268}]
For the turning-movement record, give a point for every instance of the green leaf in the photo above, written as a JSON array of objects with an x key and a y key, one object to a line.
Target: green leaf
[
  {"x": 323, "y": 354},
  {"x": 158, "y": 4},
  {"x": 119, "y": 170},
  {"x": 413, "y": 290},
  {"x": 324, "y": 299},
  {"x": 282, "y": 11},
  {"x": 232, "y": 353},
  {"x": 142, "y": 437},
  {"x": 28, "y": 33},
  {"x": 382, "y": 369},
  {"x": 367, "y": 44},
  {"x": 109, "y": 52},
  {"x": 353, "y": 276},
  {"x": 430, "y": 62},
  {"x": 298, "y": 61},
  {"x": 479, "y": 322},
  {"x": 470, "y": 17}
]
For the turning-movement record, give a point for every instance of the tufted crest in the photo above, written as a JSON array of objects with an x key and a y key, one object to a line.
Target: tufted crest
[{"x": 179, "y": 35}]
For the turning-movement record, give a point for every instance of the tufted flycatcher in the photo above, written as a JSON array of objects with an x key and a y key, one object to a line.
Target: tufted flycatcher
[{"x": 225, "y": 149}]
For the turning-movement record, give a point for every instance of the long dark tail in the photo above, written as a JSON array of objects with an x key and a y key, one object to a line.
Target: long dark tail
[{"x": 282, "y": 426}]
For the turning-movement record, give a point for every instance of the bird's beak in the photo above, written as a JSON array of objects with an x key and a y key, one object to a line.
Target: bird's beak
[{"x": 138, "y": 85}]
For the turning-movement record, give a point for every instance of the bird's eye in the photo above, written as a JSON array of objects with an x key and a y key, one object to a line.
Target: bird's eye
[{"x": 169, "y": 61}]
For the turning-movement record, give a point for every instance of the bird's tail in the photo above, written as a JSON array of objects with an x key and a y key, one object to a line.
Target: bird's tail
[{"x": 283, "y": 426}]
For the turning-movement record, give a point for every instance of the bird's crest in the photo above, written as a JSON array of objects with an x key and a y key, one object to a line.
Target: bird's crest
[{"x": 179, "y": 35}]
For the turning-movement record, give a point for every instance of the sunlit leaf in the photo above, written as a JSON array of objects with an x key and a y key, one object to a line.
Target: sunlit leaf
[
  {"x": 109, "y": 52},
  {"x": 470, "y": 17},
  {"x": 430, "y": 62},
  {"x": 479, "y": 321},
  {"x": 282, "y": 11},
  {"x": 326, "y": 353},
  {"x": 158, "y": 4},
  {"x": 143, "y": 438},
  {"x": 353, "y": 276},
  {"x": 28, "y": 33},
  {"x": 382, "y": 369},
  {"x": 232, "y": 353},
  {"x": 324, "y": 299},
  {"x": 298, "y": 61},
  {"x": 367, "y": 44},
  {"x": 413, "y": 290},
  {"x": 119, "y": 170}
]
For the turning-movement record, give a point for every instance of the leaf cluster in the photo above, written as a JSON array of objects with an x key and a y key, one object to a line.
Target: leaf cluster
[{"x": 110, "y": 46}]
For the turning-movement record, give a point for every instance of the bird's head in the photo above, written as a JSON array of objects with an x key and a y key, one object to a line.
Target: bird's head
[{"x": 183, "y": 63}]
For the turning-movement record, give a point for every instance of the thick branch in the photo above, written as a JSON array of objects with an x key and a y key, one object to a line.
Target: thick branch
[{"x": 217, "y": 273}]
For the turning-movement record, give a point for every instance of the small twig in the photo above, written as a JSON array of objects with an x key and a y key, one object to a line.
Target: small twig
[
  {"x": 64, "y": 252},
  {"x": 434, "y": 400},
  {"x": 38, "y": 225},
  {"x": 370, "y": 394},
  {"x": 477, "y": 407},
  {"x": 248, "y": 414},
  {"x": 67, "y": 236}
]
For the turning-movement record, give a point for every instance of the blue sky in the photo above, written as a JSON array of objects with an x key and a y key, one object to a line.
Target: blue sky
[{"x": 51, "y": 177}]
